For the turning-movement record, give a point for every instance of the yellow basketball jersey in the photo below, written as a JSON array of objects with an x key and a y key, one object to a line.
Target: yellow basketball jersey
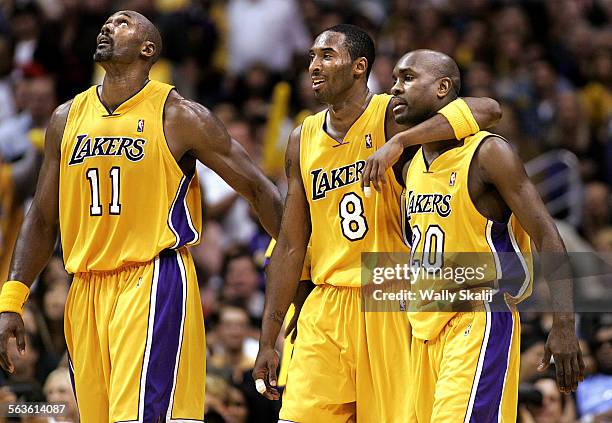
[
  {"x": 123, "y": 197},
  {"x": 344, "y": 222},
  {"x": 447, "y": 229}
]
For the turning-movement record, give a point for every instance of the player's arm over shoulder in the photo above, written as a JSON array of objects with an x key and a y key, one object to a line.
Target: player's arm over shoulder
[
  {"x": 191, "y": 129},
  {"x": 499, "y": 164}
]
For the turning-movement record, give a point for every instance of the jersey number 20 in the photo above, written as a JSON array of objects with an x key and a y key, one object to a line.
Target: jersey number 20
[
  {"x": 95, "y": 209},
  {"x": 433, "y": 249}
]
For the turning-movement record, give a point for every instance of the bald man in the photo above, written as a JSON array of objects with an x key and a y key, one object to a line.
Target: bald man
[
  {"x": 471, "y": 206},
  {"x": 119, "y": 179}
]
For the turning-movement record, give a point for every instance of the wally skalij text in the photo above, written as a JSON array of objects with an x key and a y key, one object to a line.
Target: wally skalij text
[{"x": 437, "y": 282}]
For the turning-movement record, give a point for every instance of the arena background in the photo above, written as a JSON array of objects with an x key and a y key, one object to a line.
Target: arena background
[{"x": 549, "y": 64}]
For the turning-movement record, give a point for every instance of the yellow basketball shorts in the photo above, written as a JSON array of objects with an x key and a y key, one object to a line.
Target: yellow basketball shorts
[
  {"x": 347, "y": 365},
  {"x": 136, "y": 342},
  {"x": 469, "y": 373}
]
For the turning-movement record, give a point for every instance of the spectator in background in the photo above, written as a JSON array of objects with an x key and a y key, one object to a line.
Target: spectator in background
[
  {"x": 19, "y": 132},
  {"x": 58, "y": 389},
  {"x": 25, "y": 27},
  {"x": 597, "y": 211},
  {"x": 56, "y": 285},
  {"x": 234, "y": 352},
  {"x": 237, "y": 410},
  {"x": 6, "y": 85},
  {"x": 556, "y": 407},
  {"x": 241, "y": 281},
  {"x": 593, "y": 396},
  {"x": 269, "y": 32}
]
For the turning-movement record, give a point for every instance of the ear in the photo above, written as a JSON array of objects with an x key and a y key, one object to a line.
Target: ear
[
  {"x": 360, "y": 67},
  {"x": 444, "y": 87},
  {"x": 148, "y": 49}
]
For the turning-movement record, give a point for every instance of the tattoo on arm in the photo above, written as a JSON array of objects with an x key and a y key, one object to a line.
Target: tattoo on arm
[
  {"x": 287, "y": 167},
  {"x": 277, "y": 316}
]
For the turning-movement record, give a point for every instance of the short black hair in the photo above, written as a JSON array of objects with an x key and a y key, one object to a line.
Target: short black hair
[{"x": 358, "y": 43}]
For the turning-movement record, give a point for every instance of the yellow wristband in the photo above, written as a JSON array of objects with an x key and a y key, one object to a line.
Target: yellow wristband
[
  {"x": 460, "y": 118},
  {"x": 13, "y": 296}
]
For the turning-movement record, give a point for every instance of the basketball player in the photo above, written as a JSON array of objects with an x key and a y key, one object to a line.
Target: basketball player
[
  {"x": 118, "y": 176},
  {"x": 340, "y": 370},
  {"x": 472, "y": 196}
]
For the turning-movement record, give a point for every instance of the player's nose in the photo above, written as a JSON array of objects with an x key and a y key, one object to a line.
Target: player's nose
[
  {"x": 315, "y": 66},
  {"x": 106, "y": 28},
  {"x": 396, "y": 89}
]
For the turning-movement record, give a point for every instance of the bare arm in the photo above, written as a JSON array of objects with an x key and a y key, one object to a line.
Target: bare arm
[
  {"x": 500, "y": 166},
  {"x": 38, "y": 233},
  {"x": 285, "y": 266},
  {"x": 192, "y": 129},
  {"x": 486, "y": 111}
]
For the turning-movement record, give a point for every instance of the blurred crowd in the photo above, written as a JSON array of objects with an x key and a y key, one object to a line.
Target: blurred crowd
[{"x": 549, "y": 64}]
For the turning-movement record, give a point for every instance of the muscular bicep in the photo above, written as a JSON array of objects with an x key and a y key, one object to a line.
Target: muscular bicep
[
  {"x": 486, "y": 111},
  {"x": 501, "y": 166}
]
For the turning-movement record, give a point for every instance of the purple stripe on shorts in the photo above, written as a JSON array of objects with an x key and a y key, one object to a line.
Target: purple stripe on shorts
[
  {"x": 166, "y": 338},
  {"x": 179, "y": 218},
  {"x": 71, "y": 372},
  {"x": 491, "y": 383},
  {"x": 513, "y": 274}
]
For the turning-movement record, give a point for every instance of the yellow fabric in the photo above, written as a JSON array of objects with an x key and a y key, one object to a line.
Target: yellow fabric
[
  {"x": 111, "y": 321},
  {"x": 344, "y": 222},
  {"x": 463, "y": 375},
  {"x": 156, "y": 206},
  {"x": 11, "y": 218},
  {"x": 347, "y": 365},
  {"x": 13, "y": 296},
  {"x": 37, "y": 138},
  {"x": 287, "y": 350},
  {"x": 460, "y": 118},
  {"x": 272, "y": 157},
  {"x": 441, "y": 212}
]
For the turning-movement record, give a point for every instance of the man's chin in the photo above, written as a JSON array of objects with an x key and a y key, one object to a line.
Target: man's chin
[
  {"x": 102, "y": 56},
  {"x": 401, "y": 118}
]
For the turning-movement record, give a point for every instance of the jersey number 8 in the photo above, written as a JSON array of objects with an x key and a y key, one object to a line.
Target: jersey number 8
[{"x": 352, "y": 220}]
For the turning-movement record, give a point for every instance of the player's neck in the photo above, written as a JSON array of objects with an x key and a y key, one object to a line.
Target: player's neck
[
  {"x": 119, "y": 86},
  {"x": 343, "y": 113},
  {"x": 434, "y": 149}
]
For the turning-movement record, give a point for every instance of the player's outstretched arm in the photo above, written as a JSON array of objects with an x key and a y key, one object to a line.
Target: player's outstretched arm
[
  {"x": 191, "y": 128},
  {"x": 467, "y": 116},
  {"x": 38, "y": 233},
  {"x": 284, "y": 270},
  {"x": 499, "y": 165}
]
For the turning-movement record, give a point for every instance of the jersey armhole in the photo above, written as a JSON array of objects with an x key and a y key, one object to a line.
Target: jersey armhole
[{"x": 467, "y": 180}]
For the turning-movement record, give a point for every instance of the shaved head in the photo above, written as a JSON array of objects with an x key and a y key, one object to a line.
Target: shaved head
[
  {"x": 439, "y": 65},
  {"x": 425, "y": 81},
  {"x": 149, "y": 32}
]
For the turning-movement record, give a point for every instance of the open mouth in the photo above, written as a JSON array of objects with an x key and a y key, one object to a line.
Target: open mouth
[
  {"x": 104, "y": 41},
  {"x": 317, "y": 83}
]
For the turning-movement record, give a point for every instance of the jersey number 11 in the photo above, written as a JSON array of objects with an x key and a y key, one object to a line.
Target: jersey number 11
[{"x": 95, "y": 209}]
